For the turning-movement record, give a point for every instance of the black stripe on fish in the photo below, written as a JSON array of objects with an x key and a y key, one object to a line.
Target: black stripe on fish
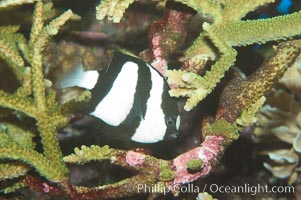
[
  {"x": 142, "y": 94},
  {"x": 137, "y": 113},
  {"x": 105, "y": 82}
]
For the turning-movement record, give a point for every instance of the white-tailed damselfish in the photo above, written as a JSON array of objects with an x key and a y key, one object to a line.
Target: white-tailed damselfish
[{"x": 131, "y": 98}]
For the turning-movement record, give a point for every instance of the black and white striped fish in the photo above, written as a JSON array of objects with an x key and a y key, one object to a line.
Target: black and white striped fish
[{"x": 131, "y": 98}]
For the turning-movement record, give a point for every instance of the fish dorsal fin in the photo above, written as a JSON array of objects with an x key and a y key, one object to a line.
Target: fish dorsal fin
[{"x": 78, "y": 77}]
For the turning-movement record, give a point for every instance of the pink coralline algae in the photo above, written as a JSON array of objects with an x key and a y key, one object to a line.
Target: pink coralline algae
[
  {"x": 211, "y": 148},
  {"x": 134, "y": 158},
  {"x": 208, "y": 151},
  {"x": 165, "y": 36},
  {"x": 159, "y": 63}
]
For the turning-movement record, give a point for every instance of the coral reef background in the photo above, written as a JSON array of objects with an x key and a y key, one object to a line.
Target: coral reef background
[{"x": 266, "y": 153}]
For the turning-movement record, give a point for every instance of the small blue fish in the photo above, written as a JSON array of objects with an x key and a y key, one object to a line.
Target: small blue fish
[{"x": 131, "y": 98}]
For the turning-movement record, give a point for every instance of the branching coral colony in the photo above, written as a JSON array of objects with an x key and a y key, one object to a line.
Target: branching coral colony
[{"x": 35, "y": 99}]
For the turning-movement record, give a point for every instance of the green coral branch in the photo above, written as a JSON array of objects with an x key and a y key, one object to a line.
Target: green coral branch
[
  {"x": 248, "y": 91},
  {"x": 26, "y": 88},
  {"x": 12, "y": 188},
  {"x": 32, "y": 99},
  {"x": 37, "y": 23},
  {"x": 12, "y": 170},
  {"x": 19, "y": 141},
  {"x": 87, "y": 154},
  {"x": 47, "y": 126},
  {"x": 52, "y": 29},
  {"x": 258, "y": 31},
  {"x": 35, "y": 159},
  {"x": 11, "y": 54},
  {"x": 187, "y": 84},
  {"x": 4, "y": 138},
  {"x": 9, "y": 3},
  {"x": 14, "y": 102},
  {"x": 150, "y": 171},
  {"x": 271, "y": 71},
  {"x": 46, "y": 121},
  {"x": 9, "y": 42},
  {"x": 13, "y": 133},
  {"x": 225, "y": 35},
  {"x": 235, "y": 10},
  {"x": 23, "y": 47},
  {"x": 70, "y": 106},
  {"x": 38, "y": 84},
  {"x": 7, "y": 31},
  {"x": 198, "y": 54},
  {"x": 36, "y": 61},
  {"x": 195, "y": 87},
  {"x": 51, "y": 98},
  {"x": 248, "y": 116},
  {"x": 113, "y": 9}
]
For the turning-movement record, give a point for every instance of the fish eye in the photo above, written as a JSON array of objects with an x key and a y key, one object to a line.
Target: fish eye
[{"x": 170, "y": 121}]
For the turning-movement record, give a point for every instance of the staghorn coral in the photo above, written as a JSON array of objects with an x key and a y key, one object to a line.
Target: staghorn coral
[
  {"x": 9, "y": 3},
  {"x": 225, "y": 32},
  {"x": 280, "y": 121},
  {"x": 195, "y": 163},
  {"x": 35, "y": 99},
  {"x": 113, "y": 9}
]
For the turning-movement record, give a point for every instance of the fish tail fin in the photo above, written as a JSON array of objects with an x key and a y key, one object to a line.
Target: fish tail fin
[{"x": 71, "y": 78}]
